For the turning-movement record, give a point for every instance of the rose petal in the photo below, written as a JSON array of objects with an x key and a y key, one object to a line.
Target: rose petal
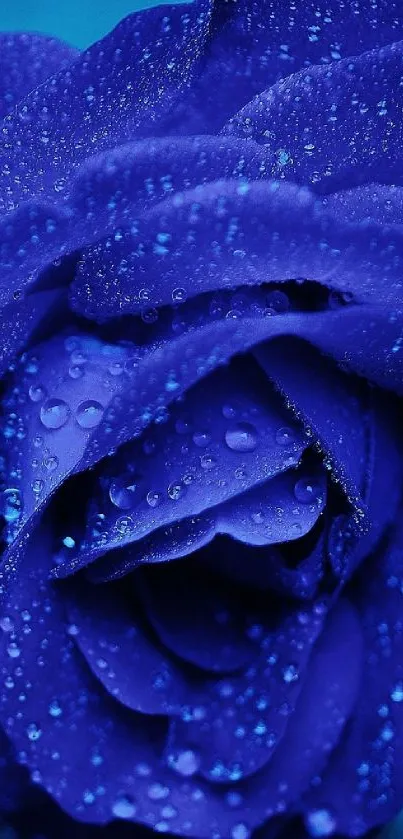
[
  {"x": 362, "y": 786},
  {"x": 319, "y": 116},
  {"x": 132, "y": 667},
  {"x": 254, "y": 44},
  {"x": 162, "y": 44},
  {"x": 334, "y": 407},
  {"x": 26, "y": 60},
  {"x": 226, "y": 234},
  {"x": 198, "y": 619},
  {"x": 225, "y": 437}
]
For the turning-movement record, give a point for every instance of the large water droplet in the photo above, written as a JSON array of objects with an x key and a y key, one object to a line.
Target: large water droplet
[
  {"x": 285, "y": 436},
  {"x": 121, "y": 492},
  {"x": 277, "y": 301},
  {"x": 11, "y": 504},
  {"x": 54, "y": 413},
  {"x": 154, "y": 498},
  {"x": 241, "y": 437},
  {"x": 124, "y": 807},
  {"x": 306, "y": 491},
  {"x": 89, "y": 413},
  {"x": 176, "y": 491}
]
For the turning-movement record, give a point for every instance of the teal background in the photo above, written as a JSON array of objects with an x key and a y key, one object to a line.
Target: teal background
[{"x": 80, "y": 23}]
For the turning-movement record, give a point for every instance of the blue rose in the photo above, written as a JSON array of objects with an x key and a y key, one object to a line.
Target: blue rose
[{"x": 201, "y": 261}]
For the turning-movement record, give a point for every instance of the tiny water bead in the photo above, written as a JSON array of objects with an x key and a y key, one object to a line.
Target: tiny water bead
[
  {"x": 54, "y": 414},
  {"x": 241, "y": 437},
  {"x": 11, "y": 505},
  {"x": 89, "y": 413}
]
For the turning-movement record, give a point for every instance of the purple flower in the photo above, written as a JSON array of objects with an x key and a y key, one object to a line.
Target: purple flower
[{"x": 201, "y": 261}]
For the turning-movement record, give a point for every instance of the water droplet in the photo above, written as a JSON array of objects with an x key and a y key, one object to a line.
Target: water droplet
[
  {"x": 183, "y": 425},
  {"x": 157, "y": 792},
  {"x": 89, "y": 413},
  {"x": 241, "y": 437},
  {"x": 201, "y": 439},
  {"x": 207, "y": 462},
  {"x": 13, "y": 650},
  {"x": 285, "y": 436},
  {"x": 78, "y": 358},
  {"x": 33, "y": 731},
  {"x": 397, "y": 693},
  {"x": 176, "y": 491},
  {"x": 178, "y": 295},
  {"x": 154, "y": 498},
  {"x": 51, "y": 463},
  {"x": 290, "y": 674},
  {"x": 320, "y": 823},
  {"x": 240, "y": 831},
  {"x": 185, "y": 762},
  {"x": 37, "y": 486},
  {"x": 277, "y": 301},
  {"x": 36, "y": 393},
  {"x": 306, "y": 491},
  {"x": 76, "y": 372},
  {"x": 229, "y": 411},
  {"x": 121, "y": 492},
  {"x": 149, "y": 316},
  {"x": 116, "y": 368},
  {"x": 124, "y": 525},
  {"x": 12, "y": 505},
  {"x": 54, "y": 413},
  {"x": 54, "y": 709},
  {"x": 124, "y": 807}
]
